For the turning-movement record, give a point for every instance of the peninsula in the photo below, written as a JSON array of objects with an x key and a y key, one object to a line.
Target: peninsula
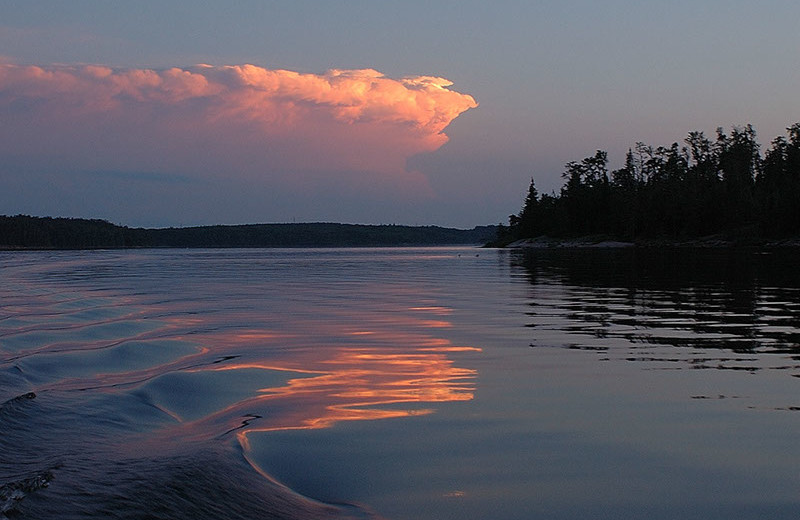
[{"x": 716, "y": 192}]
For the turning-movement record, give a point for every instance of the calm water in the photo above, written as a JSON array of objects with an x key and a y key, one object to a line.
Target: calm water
[{"x": 436, "y": 383}]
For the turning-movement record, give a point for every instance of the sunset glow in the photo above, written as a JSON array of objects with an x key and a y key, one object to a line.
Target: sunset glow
[
  {"x": 232, "y": 120},
  {"x": 264, "y": 112},
  {"x": 399, "y": 260}
]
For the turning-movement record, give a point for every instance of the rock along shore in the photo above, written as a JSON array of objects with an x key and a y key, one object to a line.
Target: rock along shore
[{"x": 599, "y": 242}]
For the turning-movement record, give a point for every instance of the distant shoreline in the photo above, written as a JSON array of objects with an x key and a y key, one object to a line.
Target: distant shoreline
[{"x": 27, "y": 233}]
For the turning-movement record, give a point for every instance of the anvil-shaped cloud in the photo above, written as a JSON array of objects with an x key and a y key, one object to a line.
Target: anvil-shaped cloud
[{"x": 240, "y": 120}]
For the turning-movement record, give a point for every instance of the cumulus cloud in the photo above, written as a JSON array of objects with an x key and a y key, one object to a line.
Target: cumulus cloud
[{"x": 237, "y": 120}]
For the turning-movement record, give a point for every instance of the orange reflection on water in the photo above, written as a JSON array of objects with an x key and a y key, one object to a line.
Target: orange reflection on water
[
  {"x": 349, "y": 384},
  {"x": 381, "y": 363},
  {"x": 354, "y": 384},
  {"x": 433, "y": 309}
]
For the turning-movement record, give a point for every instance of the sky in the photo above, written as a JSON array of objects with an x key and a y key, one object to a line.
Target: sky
[{"x": 179, "y": 113}]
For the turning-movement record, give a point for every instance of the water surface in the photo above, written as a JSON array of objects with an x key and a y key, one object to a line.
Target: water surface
[{"x": 423, "y": 383}]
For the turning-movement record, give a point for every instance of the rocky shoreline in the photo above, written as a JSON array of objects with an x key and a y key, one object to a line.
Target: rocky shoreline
[{"x": 604, "y": 242}]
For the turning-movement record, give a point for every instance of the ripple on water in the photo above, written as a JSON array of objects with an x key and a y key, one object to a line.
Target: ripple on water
[{"x": 159, "y": 375}]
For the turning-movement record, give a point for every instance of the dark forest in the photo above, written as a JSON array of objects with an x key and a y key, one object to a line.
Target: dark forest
[
  {"x": 26, "y": 232},
  {"x": 705, "y": 187}
]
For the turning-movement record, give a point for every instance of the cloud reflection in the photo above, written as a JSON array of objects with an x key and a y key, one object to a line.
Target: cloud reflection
[
  {"x": 379, "y": 373},
  {"x": 353, "y": 384}
]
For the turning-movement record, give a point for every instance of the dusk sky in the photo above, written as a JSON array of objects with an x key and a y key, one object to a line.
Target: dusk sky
[{"x": 188, "y": 113}]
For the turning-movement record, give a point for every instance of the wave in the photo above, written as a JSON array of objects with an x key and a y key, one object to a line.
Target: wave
[
  {"x": 94, "y": 469},
  {"x": 13, "y": 492},
  {"x": 148, "y": 371}
]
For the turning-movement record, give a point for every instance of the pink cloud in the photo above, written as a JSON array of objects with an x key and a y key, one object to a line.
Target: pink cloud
[{"x": 239, "y": 120}]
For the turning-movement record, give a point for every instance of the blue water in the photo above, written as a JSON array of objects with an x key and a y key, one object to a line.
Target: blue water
[{"x": 421, "y": 383}]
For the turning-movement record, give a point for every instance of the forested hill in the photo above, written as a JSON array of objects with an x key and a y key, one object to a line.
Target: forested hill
[
  {"x": 705, "y": 187},
  {"x": 25, "y": 232}
]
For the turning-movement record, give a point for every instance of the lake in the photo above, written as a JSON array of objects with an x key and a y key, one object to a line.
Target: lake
[{"x": 400, "y": 383}]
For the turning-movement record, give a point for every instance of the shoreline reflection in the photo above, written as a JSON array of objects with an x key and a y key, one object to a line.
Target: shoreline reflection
[{"x": 669, "y": 309}]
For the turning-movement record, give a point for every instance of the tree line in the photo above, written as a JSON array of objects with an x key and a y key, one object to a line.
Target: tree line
[
  {"x": 26, "y": 232},
  {"x": 706, "y": 186}
]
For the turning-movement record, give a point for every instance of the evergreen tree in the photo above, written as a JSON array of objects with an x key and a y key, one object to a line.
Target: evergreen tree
[
  {"x": 529, "y": 215},
  {"x": 703, "y": 188},
  {"x": 739, "y": 163}
]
